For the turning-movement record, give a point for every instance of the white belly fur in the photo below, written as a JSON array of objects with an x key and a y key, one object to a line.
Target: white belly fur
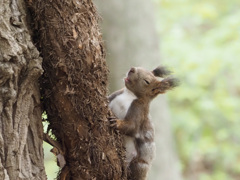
[
  {"x": 131, "y": 151},
  {"x": 119, "y": 107},
  {"x": 120, "y": 104}
]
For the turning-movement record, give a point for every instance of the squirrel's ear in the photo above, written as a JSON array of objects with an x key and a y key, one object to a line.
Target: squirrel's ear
[
  {"x": 161, "y": 71},
  {"x": 164, "y": 85}
]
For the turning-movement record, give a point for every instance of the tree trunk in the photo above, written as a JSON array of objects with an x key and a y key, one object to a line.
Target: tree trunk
[
  {"x": 131, "y": 37},
  {"x": 21, "y": 152},
  {"x": 74, "y": 89}
]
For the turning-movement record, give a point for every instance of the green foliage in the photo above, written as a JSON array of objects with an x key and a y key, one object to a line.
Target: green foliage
[
  {"x": 201, "y": 41},
  {"x": 49, "y": 158}
]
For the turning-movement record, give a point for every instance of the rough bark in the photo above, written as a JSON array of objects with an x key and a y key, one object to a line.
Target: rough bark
[
  {"x": 131, "y": 39},
  {"x": 21, "y": 152},
  {"x": 74, "y": 88}
]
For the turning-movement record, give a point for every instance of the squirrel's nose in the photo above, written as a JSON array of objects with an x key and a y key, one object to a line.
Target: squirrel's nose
[{"x": 132, "y": 70}]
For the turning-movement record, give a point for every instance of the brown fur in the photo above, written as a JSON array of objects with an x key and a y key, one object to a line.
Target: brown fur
[{"x": 136, "y": 123}]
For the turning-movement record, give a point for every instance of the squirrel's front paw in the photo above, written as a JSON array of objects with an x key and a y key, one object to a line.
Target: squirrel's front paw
[
  {"x": 115, "y": 123},
  {"x": 112, "y": 121}
]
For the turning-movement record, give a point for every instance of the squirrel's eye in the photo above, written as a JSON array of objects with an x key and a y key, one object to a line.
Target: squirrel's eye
[{"x": 146, "y": 81}]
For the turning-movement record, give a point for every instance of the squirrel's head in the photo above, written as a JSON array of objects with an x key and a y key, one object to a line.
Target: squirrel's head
[{"x": 147, "y": 84}]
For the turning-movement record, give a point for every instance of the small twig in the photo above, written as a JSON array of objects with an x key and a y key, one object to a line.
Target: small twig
[
  {"x": 53, "y": 143},
  {"x": 56, "y": 150}
]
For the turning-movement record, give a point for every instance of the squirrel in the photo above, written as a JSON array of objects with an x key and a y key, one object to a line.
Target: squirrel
[{"x": 130, "y": 105}]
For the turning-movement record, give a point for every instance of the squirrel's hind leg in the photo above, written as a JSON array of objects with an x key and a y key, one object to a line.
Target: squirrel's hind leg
[
  {"x": 140, "y": 165},
  {"x": 138, "y": 170}
]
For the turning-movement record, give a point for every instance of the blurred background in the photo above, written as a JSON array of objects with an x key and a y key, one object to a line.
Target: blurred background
[{"x": 198, "y": 124}]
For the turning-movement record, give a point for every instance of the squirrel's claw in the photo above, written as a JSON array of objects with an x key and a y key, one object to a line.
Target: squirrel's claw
[{"x": 113, "y": 123}]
